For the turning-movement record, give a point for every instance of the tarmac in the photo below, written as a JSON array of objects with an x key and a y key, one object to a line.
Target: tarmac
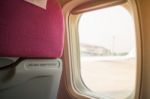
[{"x": 112, "y": 77}]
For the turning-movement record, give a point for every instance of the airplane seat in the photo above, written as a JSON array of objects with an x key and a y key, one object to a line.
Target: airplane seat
[
  {"x": 31, "y": 44},
  {"x": 5, "y": 61}
]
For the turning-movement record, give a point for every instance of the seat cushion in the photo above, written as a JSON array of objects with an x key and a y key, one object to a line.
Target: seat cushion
[{"x": 27, "y": 30}]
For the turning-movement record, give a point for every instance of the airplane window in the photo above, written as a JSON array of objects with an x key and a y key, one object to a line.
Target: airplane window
[{"x": 108, "y": 51}]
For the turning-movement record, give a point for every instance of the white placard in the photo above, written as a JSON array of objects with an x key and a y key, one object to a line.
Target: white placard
[{"x": 39, "y": 3}]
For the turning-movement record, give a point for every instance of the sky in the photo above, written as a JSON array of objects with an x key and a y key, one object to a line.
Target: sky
[{"x": 112, "y": 28}]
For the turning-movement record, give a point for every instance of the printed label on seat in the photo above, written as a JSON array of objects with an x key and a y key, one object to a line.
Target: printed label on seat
[{"x": 40, "y": 3}]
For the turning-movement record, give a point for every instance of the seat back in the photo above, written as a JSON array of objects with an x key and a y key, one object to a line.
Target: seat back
[
  {"x": 31, "y": 43},
  {"x": 31, "y": 79},
  {"x": 27, "y": 30}
]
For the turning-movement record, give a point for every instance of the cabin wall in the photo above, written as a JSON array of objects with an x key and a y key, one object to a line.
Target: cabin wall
[
  {"x": 144, "y": 6},
  {"x": 63, "y": 93}
]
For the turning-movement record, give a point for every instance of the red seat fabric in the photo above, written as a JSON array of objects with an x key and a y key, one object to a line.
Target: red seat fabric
[{"x": 27, "y": 30}]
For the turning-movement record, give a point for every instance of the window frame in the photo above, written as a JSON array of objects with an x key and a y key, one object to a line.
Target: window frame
[{"x": 74, "y": 83}]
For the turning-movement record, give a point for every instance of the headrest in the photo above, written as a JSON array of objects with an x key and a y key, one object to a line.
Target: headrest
[{"x": 28, "y": 30}]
